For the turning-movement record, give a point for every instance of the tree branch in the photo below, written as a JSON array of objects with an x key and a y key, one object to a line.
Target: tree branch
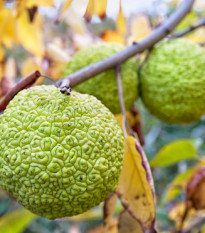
[
  {"x": 188, "y": 30},
  {"x": 23, "y": 83},
  {"x": 111, "y": 62}
]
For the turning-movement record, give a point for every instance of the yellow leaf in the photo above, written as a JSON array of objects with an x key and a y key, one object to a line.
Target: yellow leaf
[
  {"x": 31, "y": 3},
  {"x": 108, "y": 210},
  {"x": 30, "y": 34},
  {"x": 121, "y": 22},
  {"x": 57, "y": 54},
  {"x": 74, "y": 20},
  {"x": 10, "y": 69},
  {"x": 198, "y": 36},
  {"x": 1, "y": 57},
  {"x": 66, "y": 5},
  {"x": 134, "y": 190},
  {"x": 112, "y": 36},
  {"x": 7, "y": 27},
  {"x": 140, "y": 28},
  {"x": 55, "y": 70},
  {"x": 1, "y": 4},
  {"x": 96, "y": 7},
  {"x": 22, "y": 5},
  {"x": 31, "y": 65},
  {"x": 127, "y": 224},
  {"x": 16, "y": 221}
]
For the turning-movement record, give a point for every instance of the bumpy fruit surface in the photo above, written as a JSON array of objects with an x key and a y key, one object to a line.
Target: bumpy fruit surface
[
  {"x": 104, "y": 85},
  {"x": 173, "y": 81},
  {"x": 59, "y": 155}
]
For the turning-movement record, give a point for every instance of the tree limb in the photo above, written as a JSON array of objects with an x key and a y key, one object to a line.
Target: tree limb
[
  {"x": 111, "y": 62},
  {"x": 146, "y": 43},
  {"x": 188, "y": 30}
]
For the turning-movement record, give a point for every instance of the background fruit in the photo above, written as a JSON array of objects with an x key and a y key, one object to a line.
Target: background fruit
[
  {"x": 59, "y": 155},
  {"x": 104, "y": 85},
  {"x": 173, "y": 81}
]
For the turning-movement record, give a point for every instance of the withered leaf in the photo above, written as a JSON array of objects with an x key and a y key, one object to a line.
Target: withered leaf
[
  {"x": 135, "y": 188},
  {"x": 196, "y": 188},
  {"x": 127, "y": 224},
  {"x": 96, "y": 7}
]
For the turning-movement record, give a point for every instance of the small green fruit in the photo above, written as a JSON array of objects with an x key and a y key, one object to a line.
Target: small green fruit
[
  {"x": 104, "y": 85},
  {"x": 59, "y": 155},
  {"x": 173, "y": 81}
]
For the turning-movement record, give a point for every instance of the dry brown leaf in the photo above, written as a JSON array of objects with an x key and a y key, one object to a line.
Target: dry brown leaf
[
  {"x": 96, "y": 7},
  {"x": 108, "y": 210},
  {"x": 30, "y": 34},
  {"x": 196, "y": 188},
  {"x": 112, "y": 36},
  {"x": 121, "y": 22},
  {"x": 127, "y": 224},
  {"x": 134, "y": 190}
]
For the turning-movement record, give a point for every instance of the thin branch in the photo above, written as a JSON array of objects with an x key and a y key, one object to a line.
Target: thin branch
[
  {"x": 111, "y": 62},
  {"x": 23, "y": 83},
  {"x": 188, "y": 30},
  {"x": 121, "y": 98}
]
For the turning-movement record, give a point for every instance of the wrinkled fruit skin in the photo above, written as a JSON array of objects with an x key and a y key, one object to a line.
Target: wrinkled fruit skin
[
  {"x": 173, "y": 81},
  {"x": 104, "y": 85},
  {"x": 59, "y": 155}
]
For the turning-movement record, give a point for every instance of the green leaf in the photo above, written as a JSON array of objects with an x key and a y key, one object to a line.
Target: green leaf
[
  {"x": 16, "y": 221},
  {"x": 174, "y": 152}
]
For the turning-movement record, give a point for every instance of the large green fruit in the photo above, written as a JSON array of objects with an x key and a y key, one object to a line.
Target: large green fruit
[
  {"x": 104, "y": 85},
  {"x": 173, "y": 81},
  {"x": 59, "y": 155}
]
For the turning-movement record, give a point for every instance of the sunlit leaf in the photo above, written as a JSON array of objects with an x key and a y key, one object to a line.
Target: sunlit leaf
[
  {"x": 108, "y": 210},
  {"x": 74, "y": 20},
  {"x": 134, "y": 189},
  {"x": 16, "y": 221},
  {"x": 127, "y": 224},
  {"x": 112, "y": 36},
  {"x": 22, "y": 5},
  {"x": 10, "y": 69},
  {"x": 7, "y": 27},
  {"x": 30, "y": 34},
  {"x": 96, "y": 7},
  {"x": 2, "y": 54},
  {"x": 121, "y": 22},
  {"x": 30, "y": 65},
  {"x": 66, "y": 4},
  {"x": 55, "y": 53},
  {"x": 140, "y": 28},
  {"x": 174, "y": 152},
  {"x": 198, "y": 36}
]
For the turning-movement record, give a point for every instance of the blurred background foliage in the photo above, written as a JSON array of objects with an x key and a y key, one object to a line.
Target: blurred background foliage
[{"x": 44, "y": 35}]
